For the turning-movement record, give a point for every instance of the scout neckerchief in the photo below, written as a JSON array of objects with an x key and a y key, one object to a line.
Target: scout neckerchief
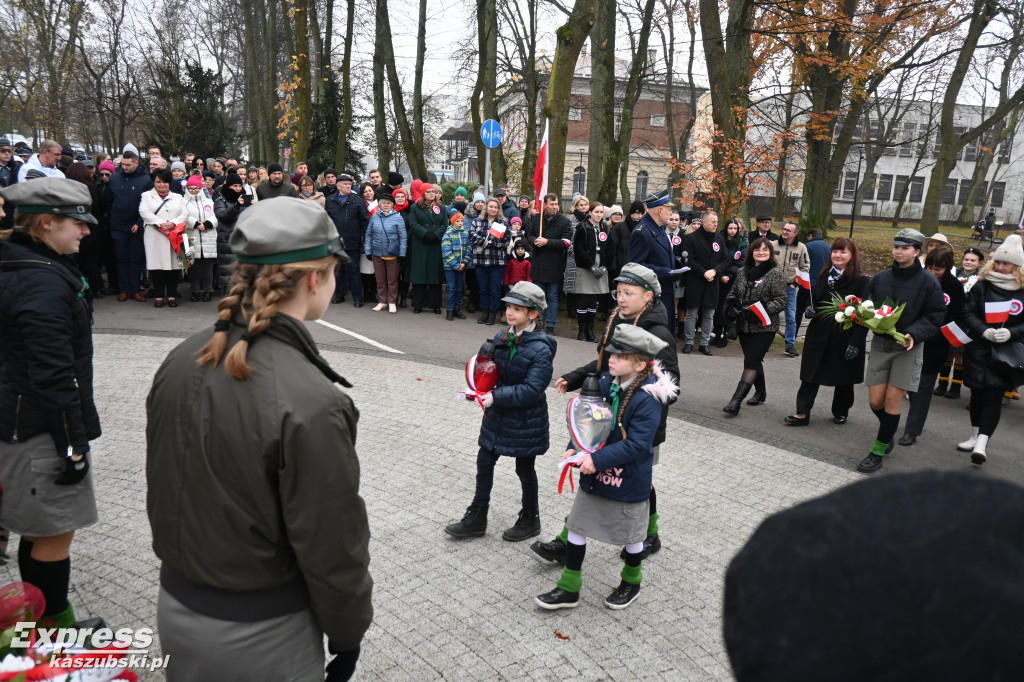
[{"x": 513, "y": 339}]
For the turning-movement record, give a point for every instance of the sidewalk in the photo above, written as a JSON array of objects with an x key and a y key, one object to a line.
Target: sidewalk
[{"x": 464, "y": 610}]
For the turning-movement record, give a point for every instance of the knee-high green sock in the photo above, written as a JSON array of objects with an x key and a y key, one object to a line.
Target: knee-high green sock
[
  {"x": 571, "y": 580},
  {"x": 563, "y": 537},
  {"x": 652, "y": 525},
  {"x": 631, "y": 574}
]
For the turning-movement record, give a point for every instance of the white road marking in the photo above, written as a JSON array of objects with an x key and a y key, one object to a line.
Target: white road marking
[{"x": 364, "y": 339}]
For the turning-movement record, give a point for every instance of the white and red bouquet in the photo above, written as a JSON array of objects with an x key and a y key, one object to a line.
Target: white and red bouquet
[{"x": 852, "y": 310}]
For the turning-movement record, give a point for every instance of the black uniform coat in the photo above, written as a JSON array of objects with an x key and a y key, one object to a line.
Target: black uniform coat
[
  {"x": 653, "y": 320},
  {"x": 976, "y": 353},
  {"x": 937, "y": 348},
  {"x": 707, "y": 252},
  {"x": 920, "y": 291},
  {"x": 618, "y": 236},
  {"x": 649, "y": 247},
  {"x": 824, "y": 360},
  {"x": 547, "y": 263}
]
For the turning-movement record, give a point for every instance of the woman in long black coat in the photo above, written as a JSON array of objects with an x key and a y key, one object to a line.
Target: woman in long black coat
[{"x": 832, "y": 356}]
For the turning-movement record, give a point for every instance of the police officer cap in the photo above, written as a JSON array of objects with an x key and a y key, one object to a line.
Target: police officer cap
[
  {"x": 764, "y": 218},
  {"x": 630, "y": 339},
  {"x": 5, "y": 142},
  {"x": 908, "y": 237},
  {"x": 345, "y": 177},
  {"x": 661, "y": 198},
  {"x": 285, "y": 230},
  {"x": 55, "y": 196},
  {"x": 526, "y": 294},
  {"x": 634, "y": 273}
]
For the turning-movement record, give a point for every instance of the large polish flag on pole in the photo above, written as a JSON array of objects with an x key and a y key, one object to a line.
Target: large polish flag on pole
[{"x": 540, "y": 172}]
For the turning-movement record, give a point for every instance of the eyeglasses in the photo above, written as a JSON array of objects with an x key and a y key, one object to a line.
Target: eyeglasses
[
  {"x": 6, "y": 150},
  {"x": 623, "y": 294},
  {"x": 104, "y": 175}
]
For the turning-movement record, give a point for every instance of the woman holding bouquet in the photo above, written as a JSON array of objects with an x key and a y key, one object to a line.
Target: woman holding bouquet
[
  {"x": 1000, "y": 285},
  {"x": 833, "y": 356},
  {"x": 760, "y": 281},
  {"x": 162, "y": 210},
  {"x": 895, "y": 363}
]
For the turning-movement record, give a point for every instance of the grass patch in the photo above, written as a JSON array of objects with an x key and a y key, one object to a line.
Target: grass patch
[{"x": 874, "y": 241}]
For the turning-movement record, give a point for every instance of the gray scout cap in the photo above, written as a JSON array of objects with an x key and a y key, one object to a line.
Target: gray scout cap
[
  {"x": 285, "y": 230},
  {"x": 634, "y": 273},
  {"x": 527, "y": 294},
  {"x": 56, "y": 196},
  {"x": 908, "y": 237},
  {"x": 630, "y": 339}
]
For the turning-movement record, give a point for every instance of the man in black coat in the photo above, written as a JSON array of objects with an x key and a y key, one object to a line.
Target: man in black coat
[
  {"x": 9, "y": 167},
  {"x": 649, "y": 245},
  {"x": 708, "y": 262},
  {"x": 348, "y": 211},
  {"x": 548, "y": 235},
  {"x": 763, "y": 230}
]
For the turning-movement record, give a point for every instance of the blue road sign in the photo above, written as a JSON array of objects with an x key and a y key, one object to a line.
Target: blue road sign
[{"x": 490, "y": 133}]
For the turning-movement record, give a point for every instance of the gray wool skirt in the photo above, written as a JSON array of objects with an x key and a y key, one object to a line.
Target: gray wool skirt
[
  {"x": 32, "y": 504},
  {"x": 598, "y": 518}
]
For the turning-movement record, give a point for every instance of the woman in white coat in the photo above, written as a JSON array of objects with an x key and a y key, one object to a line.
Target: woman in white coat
[
  {"x": 161, "y": 211},
  {"x": 202, "y": 234}
]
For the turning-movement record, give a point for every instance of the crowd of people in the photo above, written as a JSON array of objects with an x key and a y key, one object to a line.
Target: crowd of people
[{"x": 281, "y": 250}]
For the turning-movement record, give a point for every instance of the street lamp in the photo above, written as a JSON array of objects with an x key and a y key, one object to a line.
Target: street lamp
[{"x": 856, "y": 191}]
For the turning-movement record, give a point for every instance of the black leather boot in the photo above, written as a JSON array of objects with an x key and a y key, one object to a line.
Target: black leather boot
[
  {"x": 589, "y": 329},
  {"x": 581, "y": 322},
  {"x": 484, "y": 314},
  {"x": 760, "y": 392},
  {"x": 402, "y": 301},
  {"x": 526, "y": 526},
  {"x": 742, "y": 389},
  {"x": 472, "y": 525}
]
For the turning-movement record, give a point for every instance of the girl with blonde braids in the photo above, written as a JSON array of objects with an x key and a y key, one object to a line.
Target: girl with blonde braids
[
  {"x": 638, "y": 295},
  {"x": 252, "y": 470},
  {"x": 612, "y": 502}
]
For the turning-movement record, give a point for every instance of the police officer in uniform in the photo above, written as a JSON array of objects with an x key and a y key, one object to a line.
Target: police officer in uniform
[{"x": 649, "y": 245}]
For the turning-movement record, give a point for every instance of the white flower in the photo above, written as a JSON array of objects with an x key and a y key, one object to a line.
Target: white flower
[
  {"x": 840, "y": 317},
  {"x": 849, "y": 298},
  {"x": 868, "y": 304},
  {"x": 850, "y": 310}
]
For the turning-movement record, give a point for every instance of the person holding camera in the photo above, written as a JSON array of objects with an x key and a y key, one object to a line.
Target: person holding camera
[{"x": 757, "y": 297}]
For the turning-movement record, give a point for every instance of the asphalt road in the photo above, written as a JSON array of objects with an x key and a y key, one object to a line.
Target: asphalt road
[{"x": 707, "y": 384}]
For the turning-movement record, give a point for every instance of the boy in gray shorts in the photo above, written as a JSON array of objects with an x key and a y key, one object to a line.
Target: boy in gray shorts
[{"x": 892, "y": 367}]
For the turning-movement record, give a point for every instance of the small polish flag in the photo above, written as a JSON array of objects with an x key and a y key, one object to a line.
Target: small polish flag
[
  {"x": 497, "y": 230},
  {"x": 804, "y": 278},
  {"x": 955, "y": 335},
  {"x": 997, "y": 311},
  {"x": 761, "y": 313},
  {"x": 372, "y": 207}
]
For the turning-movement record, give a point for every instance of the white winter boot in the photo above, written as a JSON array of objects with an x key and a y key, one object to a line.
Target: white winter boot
[
  {"x": 391, "y": 308},
  {"x": 968, "y": 445},
  {"x": 979, "y": 456},
  {"x": 379, "y": 307}
]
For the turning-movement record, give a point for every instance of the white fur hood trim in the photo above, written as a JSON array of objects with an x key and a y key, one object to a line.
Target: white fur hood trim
[{"x": 664, "y": 389}]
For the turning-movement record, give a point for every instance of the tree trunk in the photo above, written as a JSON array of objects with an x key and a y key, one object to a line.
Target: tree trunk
[
  {"x": 569, "y": 39},
  {"x": 531, "y": 87},
  {"x": 413, "y": 155},
  {"x": 303, "y": 81},
  {"x": 602, "y": 100},
  {"x": 380, "y": 110},
  {"x": 341, "y": 151},
  {"x": 1000, "y": 134},
  {"x": 417, "y": 87},
  {"x": 490, "y": 94}
]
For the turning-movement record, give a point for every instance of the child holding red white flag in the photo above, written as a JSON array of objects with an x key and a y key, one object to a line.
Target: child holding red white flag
[
  {"x": 755, "y": 301},
  {"x": 993, "y": 318}
]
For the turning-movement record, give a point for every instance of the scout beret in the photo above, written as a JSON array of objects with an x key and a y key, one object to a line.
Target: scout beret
[
  {"x": 634, "y": 273},
  {"x": 527, "y": 294},
  {"x": 630, "y": 339},
  {"x": 908, "y": 237},
  {"x": 661, "y": 198},
  {"x": 927, "y": 589},
  {"x": 285, "y": 230},
  {"x": 57, "y": 196}
]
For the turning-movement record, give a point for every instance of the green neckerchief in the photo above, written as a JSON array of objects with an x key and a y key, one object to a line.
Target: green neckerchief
[
  {"x": 616, "y": 391},
  {"x": 513, "y": 339}
]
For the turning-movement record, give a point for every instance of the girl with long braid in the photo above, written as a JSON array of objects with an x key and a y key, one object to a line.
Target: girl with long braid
[
  {"x": 615, "y": 484},
  {"x": 249, "y": 428},
  {"x": 638, "y": 295}
]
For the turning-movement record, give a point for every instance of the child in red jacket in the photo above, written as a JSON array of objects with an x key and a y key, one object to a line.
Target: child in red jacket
[{"x": 517, "y": 269}]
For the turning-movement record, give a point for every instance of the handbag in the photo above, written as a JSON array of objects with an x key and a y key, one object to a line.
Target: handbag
[{"x": 1006, "y": 361}]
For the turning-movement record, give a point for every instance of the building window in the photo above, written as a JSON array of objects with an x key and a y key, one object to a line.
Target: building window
[
  {"x": 850, "y": 186},
  {"x": 657, "y": 121},
  {"x": 916, "y": 189},
  {"x": 575, "y": 114},
  {"x": 909, "y": 133},
  {"x": 884, "y": 188},
  {"x": 998, "y": 189},
  {"x": 1004, "y": 149},
  {"x": 579, "y": 180},
  {"x": 957, "y": 132},
  {"x": 979, "y": 198},
  {"x": 897, "y": 189},
  {"x": 641, "y": 185},
  {"x": 971, "y": 151},
  {"x": 949, "y": 192},
  {"x": 965, "y": 186}
]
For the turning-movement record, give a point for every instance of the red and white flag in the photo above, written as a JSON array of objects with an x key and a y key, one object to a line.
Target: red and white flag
[
  {"x": 497, "y": 230},
  {"x": 804, "y": 278},
  {"x": 372, "y": 207},
  {"x": 540, "y": 172},
  {"x": 955, "y": 335},
  {"x": 761, "y": 313},
  {"x": 997, "y": 311}
]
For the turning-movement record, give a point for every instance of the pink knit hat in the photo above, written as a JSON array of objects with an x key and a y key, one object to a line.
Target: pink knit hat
[
  {"x": 107, "y": 166},
  {"x": 194, "y": 181}
]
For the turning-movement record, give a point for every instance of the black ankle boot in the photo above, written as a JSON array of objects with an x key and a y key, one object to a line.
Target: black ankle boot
[
  {"x": 402, "y": 301},
  {"x": 742, "y": 389},
  {"x": 492, "y": 317},
  {"x": 472, "y": 525},
  {"x": 680, "y": 333},
  {"x": 526, "y": 526},
  {"x": 760, "y": 392},
  {"x": 581, "y": 322},
  {"x": 589, "y": 328},
  {"x": 484, "y": 314}
]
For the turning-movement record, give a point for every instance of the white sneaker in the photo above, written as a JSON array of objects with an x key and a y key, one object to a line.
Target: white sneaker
[
  {"x": 379, "y": 307},
  {"x": 968, "y": 445},
  {"x": 979, "y": 456},
  {"x": 392, "y": 308}
]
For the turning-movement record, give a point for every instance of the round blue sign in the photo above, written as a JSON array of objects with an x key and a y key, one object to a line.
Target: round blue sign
[{"x": 490, "y": 133}]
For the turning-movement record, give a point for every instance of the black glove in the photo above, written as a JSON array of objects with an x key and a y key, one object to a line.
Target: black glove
[
  {"x": 196, "y": 226},
  {"x": 851, "y": 352},
  {"x": 809, "y": 312},
  {"x": 430, "y": 238},
  {"x": 76, "y": 466},
  {"x": 369, "y": 257},
  {"x": 598, "y": 272},
  {"x": 748, "y": 314},
  {"x": 207, "y": 224},
  {"x": 343, "y": 665},
  {"x": 732, "y": 312}
]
